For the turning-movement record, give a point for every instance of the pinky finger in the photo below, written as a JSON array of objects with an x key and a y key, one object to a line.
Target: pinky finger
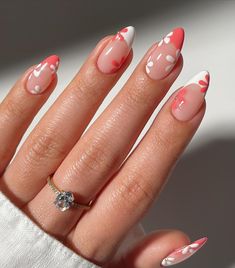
[
  {"x": 22, "y": 103},
  {"x": 159, "y": 249}
]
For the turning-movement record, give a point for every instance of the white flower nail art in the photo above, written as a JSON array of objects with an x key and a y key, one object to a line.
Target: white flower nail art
[
  {"x": 37, "y": 72},
  {"x": 168, "y": 261},
  {"x": 190, "y": 249},
  {"x": 183, "y": 253},
  {"x": 37, "y": 89},
  {"x": 166, "y": 39},
  {"x": 149, "y": 65},
  {"x": 172, "y": 60},
  {"x": 52, "y": 67},
  {"x": 42, "y": 75},
  {"x": 159, "y": 56},
  {"x": 164, "y": 56}
]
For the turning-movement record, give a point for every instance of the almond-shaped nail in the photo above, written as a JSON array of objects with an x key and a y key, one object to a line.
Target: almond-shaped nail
[
  {"x": 165, "y": 55},
  {"x": 116, "y": 51},
  {"x": 183, "y": 253},
  {"x": 190, "y": 98},
  {"x": 42, "y": 75}
]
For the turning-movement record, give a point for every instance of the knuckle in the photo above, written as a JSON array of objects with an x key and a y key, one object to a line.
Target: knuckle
[
  {"x": 95, "y": 158},
  {"x": 139, "y": 93},
  {"x": 164, "y": 139},
  {"x": 44, "y": 145},
  {"x": 137, "y": 191},
  {"x": 13, "y": 109},
  {"x": 167, "y": 141},
  {"x": 137, "y": 96},
  {"x": 87, "y": 87}
]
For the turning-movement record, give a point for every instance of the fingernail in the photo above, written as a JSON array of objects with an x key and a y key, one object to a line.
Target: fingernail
[
  {"x": 183, "y": 253},
  {"x": 116, "y": 51},
  {"x": 164, "y": 57},
  {"x": 190, "y": 98},
  {"x": 42, "y": 75}
]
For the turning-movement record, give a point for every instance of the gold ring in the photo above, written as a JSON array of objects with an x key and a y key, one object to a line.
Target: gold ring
[{"x": 65, "y": 200}]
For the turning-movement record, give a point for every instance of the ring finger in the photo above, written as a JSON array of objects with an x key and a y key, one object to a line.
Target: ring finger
[{"x": 126, "y": 198}]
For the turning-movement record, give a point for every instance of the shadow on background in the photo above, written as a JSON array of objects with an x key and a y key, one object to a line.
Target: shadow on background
[
  {"x": 31, "y": 28},
  {"x": 200, "y": 200}
]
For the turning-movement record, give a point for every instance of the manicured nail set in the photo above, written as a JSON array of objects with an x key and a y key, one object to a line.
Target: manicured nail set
[{"x": 159, "y": 64}]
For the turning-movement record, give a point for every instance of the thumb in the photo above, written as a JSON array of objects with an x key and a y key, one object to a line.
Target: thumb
[{"x": 159, "y": 249}]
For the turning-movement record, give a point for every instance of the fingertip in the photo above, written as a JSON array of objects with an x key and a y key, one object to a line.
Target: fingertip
[
  {"x": 184, "y": 252},
  {"x": 94, "y": 58},
  {"x": 154, "y": 247}
]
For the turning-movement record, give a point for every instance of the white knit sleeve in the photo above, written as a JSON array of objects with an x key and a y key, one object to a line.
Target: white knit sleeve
[{"x": 24, "y": 245}]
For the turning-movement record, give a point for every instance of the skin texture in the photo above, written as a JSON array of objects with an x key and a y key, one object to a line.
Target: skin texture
[{"x": 92, "y": 165}]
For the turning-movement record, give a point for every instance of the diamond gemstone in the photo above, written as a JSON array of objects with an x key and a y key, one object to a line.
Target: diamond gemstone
[{"x": 64, "y": 200}]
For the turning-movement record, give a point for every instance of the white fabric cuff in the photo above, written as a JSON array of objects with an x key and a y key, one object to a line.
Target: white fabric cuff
[{"x": 24, "y": 244}]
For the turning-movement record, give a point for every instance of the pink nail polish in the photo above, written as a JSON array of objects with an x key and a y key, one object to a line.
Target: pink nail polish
[
  {"x": 42, "y": 75},
  {"x": 189, "y": 99},
  {"x": 183, "y": 253},
  {"x": 116, "y": 51},
  {"x": 164, "y": 57}
]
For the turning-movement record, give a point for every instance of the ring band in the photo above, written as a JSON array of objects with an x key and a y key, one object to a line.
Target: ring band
[{"x": 65, "y": 200}]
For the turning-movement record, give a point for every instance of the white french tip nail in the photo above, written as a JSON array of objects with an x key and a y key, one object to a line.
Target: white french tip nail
[
  {"x": 129, "y": 35},
  {"x": 198, "y": 77}
]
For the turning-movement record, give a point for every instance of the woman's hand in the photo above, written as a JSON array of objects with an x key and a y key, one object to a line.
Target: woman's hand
[{"x": 94, "y": 165}]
